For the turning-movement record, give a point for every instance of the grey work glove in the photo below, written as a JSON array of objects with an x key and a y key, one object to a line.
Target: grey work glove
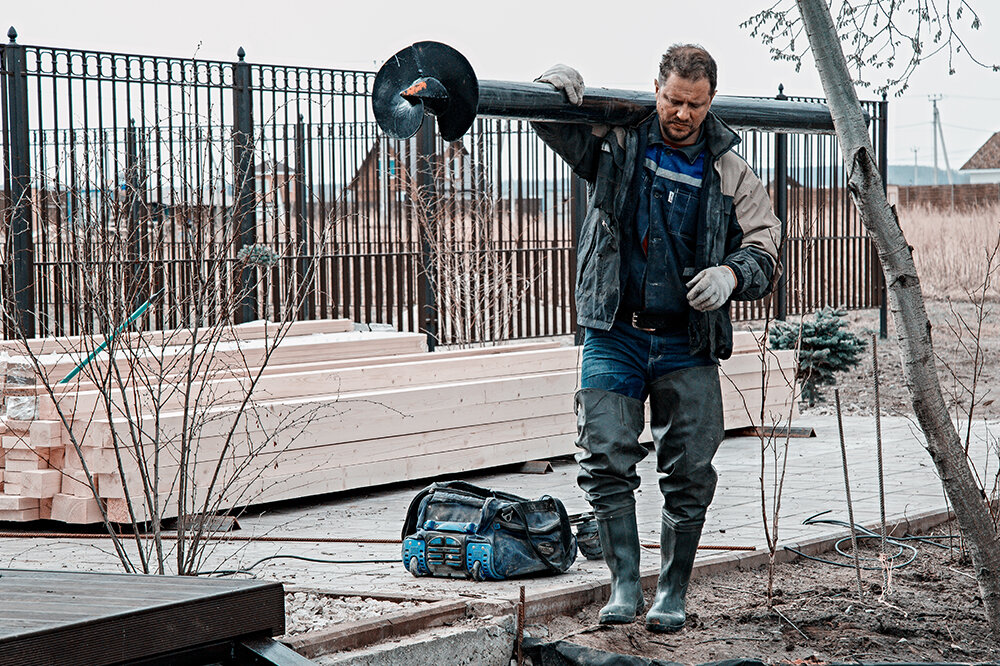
[
  {"x": 711, "y": 288},
  {"x": 566, "y": 79}
]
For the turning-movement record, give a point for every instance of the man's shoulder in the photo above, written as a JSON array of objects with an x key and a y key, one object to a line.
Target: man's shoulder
[
  {"x": 735, "y": 173},
  {"x": 622, "y": 133}
]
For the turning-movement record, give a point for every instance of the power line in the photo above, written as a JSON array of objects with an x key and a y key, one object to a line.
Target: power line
[
  {"x": 989, "y": 99},
  {"x": 970, "y": 129}
]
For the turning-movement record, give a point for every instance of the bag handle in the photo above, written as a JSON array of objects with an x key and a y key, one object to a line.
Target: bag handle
[
  {"x": 563, "y": 520},
  {"x": 410, "y": 522},
  {"x": 479, "y": 491}
]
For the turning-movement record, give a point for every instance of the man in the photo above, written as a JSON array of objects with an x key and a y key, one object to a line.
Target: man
[{"x": 677, "y": 226}]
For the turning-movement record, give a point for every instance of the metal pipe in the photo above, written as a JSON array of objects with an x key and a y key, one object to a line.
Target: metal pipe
[
  {"x": 748, "y": 549},
  {"x": 433, "y": 78},
  {"x": 541, "y": 102},
  {"x": 168, "y": 536}
]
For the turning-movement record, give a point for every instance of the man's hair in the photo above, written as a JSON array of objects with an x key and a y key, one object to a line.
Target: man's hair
[{"x": 689, "y": 61}]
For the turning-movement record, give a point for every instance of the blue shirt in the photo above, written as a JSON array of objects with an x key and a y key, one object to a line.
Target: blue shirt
[{"x": 661, "y": 259}]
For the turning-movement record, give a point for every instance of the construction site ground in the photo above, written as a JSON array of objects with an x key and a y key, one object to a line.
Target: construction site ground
[{"x": 338, "y": 608}]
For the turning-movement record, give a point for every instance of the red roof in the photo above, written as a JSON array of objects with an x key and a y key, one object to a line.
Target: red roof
[{"x": 988, "y": 155}]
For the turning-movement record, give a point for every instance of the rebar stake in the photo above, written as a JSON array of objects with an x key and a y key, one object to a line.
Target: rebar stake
[
  {"x": 881, "y": 476},
  {"x": 520, "y": 629},
  {"x": 847, "y": 488}
]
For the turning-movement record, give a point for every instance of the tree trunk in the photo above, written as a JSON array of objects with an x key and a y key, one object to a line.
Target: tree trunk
[{"x": 907, "y": 304}]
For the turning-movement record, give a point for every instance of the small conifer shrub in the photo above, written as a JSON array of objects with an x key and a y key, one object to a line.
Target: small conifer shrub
[{"x": 827, "y": 347}]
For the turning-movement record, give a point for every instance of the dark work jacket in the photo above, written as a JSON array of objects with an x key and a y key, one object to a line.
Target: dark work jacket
[{"x": 736, "y": 226}]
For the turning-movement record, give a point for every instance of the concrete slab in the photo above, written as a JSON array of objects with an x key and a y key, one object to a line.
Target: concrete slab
[{"x": 473, "y": 643}]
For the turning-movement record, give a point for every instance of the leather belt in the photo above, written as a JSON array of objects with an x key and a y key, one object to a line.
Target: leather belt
[{"x": 651, "y": 322}]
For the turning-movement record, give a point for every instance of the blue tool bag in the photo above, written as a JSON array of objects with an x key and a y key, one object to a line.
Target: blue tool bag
[{"x": 458, "y": 530}]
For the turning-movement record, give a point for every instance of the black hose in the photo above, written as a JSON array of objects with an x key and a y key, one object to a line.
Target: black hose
[
  {"x": 249, "y": 569},
  {"x": 862, "y": 533}
]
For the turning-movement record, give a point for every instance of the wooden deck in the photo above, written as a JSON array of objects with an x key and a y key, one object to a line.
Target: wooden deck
[{"x": 50, "y": 618}]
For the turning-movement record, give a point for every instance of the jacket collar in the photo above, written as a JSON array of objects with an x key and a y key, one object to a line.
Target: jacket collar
[{"x": 719, "y": 137}]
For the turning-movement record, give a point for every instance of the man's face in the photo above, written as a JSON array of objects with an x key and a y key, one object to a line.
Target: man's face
[{"x": 682, "y": 105}]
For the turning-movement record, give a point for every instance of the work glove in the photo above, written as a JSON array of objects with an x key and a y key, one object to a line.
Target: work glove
[
  {"x": 711, "y": 288},
  {"x": 566, "y": 79}
]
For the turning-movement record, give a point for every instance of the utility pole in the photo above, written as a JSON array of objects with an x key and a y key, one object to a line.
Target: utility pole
[
  {"x": 938, "y": 131},
  {"x": 915, "y": 170},
  {"x": 934, "y": 100}
]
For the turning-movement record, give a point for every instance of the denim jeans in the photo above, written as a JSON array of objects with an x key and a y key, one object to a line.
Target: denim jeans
[
  {"x": 620, "y": 369},
  {"x": 626, "y": 360}
]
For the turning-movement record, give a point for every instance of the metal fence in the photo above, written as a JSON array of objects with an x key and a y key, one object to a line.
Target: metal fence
[{"x": 140, "y": 173}]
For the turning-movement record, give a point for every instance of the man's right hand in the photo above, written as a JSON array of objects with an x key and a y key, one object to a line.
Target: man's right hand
[{"x": 566, "y": 79}]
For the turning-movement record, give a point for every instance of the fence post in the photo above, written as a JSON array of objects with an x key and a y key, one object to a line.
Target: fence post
[
  {"x": 139, "y": 286},
  {"x": 19, "y": 183},
  {"x": 883, "y": 168},
  {"x": 304, "y": 262},
  {"x": 780, "y": 181},
  {"x": 427, "y": 291},
  {"x": 244, "y": 183},
  {"x": 578, "y": 211}
]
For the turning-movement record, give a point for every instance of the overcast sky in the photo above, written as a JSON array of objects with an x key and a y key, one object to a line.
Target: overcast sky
[{"x": 615, "y": 44}]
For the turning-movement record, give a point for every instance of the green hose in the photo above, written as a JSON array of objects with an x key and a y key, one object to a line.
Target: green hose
[{"x": 135, "y": 315}]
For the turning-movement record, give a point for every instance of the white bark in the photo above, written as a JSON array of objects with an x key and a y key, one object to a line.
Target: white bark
[{"x": 907, "y": 304}]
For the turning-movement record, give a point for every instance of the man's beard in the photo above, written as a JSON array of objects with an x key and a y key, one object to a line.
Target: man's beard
[{"x": 672, "y": 134}]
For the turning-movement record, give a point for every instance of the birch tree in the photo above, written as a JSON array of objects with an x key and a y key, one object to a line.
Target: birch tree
[{"x": 894, "y": 35}]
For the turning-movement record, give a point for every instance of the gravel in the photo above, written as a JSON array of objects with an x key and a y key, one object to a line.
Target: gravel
[{"x": 309, "y": 611}]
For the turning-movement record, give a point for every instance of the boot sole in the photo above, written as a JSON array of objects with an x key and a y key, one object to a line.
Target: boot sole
[
  {"x": 663, "y": 628},
  {"x": 616, "y": 619}
]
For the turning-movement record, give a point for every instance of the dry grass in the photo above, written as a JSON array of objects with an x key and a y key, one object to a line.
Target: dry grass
[{"x": 950, "y": 248}]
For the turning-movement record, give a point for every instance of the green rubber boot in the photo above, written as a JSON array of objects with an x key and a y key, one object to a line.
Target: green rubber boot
[
  {"x": 677, "y": 552},
  {"x": 620, "y": 544}
]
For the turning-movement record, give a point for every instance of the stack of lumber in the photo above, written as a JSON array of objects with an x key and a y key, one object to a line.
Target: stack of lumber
[
  {"x": 748, "y": 390},
  {"x": 331, "y": 409}
]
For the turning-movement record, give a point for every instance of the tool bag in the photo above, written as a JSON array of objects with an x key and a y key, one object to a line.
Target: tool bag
[{"x": 458, "y": 530}]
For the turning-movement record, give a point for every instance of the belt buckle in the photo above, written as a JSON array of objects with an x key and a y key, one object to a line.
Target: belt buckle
[{"x": 635, "y": 324}]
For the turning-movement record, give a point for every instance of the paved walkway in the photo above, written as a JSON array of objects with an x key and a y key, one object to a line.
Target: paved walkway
[{"x": 814, "y": 483}]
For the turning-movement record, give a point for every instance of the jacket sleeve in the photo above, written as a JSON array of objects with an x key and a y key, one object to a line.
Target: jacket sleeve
[
  {"x": 578, "y": 144},
  {"x": 754, "y": 234}
]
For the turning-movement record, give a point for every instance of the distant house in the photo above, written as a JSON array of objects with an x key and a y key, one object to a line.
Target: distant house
[
  {"x": 390, "y": 168},
  {"x": 984, "y": 166}
]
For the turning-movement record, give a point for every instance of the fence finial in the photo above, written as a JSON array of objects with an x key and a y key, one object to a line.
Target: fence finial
[
  {"x": 781, "y": 91},
  {"x": 240, "y": 53},
  {"x": 12, "y": 34}
]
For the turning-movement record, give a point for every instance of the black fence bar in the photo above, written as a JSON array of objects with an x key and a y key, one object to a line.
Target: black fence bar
[
  {"x": 781, "y": 210},
  {"x": 426, "y": 207},
  {"x": 18, "y": 178},
  {"x": 883, "y": 168},
  {"x": 152, "y": 173},
  {"x": 244, "y": 181}
]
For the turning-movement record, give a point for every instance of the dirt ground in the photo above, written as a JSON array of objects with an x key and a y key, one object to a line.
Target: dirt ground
[
  {"x": 954, "y": 346},
  {"x": 932, "y": 612}
]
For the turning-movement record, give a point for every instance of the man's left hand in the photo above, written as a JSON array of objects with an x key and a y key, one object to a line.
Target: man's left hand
[{"x": 711, "y": 288}]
